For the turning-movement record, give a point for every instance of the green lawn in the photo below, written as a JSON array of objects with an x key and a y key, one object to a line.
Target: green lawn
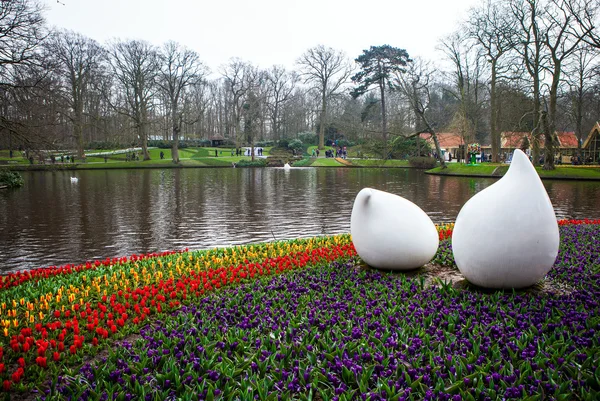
[
  {"x": 486, "y": 169},
  {"x": 571, "y": 172},
  {"x": 379, "y": 163},
  {"x": 325, "y": 162},
  {"x": 498, "y": 170}
]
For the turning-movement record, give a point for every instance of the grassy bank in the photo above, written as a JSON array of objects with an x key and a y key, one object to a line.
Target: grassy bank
[
  {"x": 498, "y": 170},
  {"x": 119, "y": 159},
  {"x": 336, "y": 162}
]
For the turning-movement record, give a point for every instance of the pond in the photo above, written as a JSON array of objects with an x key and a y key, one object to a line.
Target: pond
[{"x": 111, "y": 213}]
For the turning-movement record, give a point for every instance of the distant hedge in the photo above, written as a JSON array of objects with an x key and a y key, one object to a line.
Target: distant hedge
[
  {"x": 422, "y": 162},
  {"x": 250, "y": 163},
  {"x": 11, "y": 179}
]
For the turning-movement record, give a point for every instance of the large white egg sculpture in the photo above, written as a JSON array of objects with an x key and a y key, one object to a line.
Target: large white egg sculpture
[
  {"x": 506, "y": 236},
  {"x": 390, "y": 232}
]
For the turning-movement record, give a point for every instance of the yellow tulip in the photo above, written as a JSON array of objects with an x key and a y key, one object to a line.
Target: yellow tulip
[{"x": 16, "y": 322}]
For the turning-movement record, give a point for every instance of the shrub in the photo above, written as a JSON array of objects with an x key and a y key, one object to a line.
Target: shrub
[
  {"x": 345, "y": 142},
  {"x": 227, "y": 143},
  {"x": 161, "y": 144},
  {"x": 250, "y": 163},
  {"x": 297, "y": 145},
  {"x": 283, "y": 143},
  {"x": 422, "y": 162},
  {"x": 11, "y": 179},
  {"x": 264, "y": 144},
  {"x": 308, "y": 138},
  {"x": 102, "y": 145}
]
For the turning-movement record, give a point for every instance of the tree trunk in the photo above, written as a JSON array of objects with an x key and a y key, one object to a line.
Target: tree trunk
[
  {"x": 535, "y": 134},
  {"x": 322, "y": 127},
  {"x": 78, "y": 133},
  {"x": 145, "y": 143},
  {"x": 383, "y": 112},
  {"x": 495, "y": 135},
  {"x": 579, "y": 118},
  {"x": 143, "y": 133},
  {"x": 384, "y": 132},
  {"x": 176, "y": 130},
  {"x": 438, "y": 149},
  {"x": 551, "y": 118},
  {"x": 78, "y": 121},
  {"x": 548, "y": 142},
  {"x": 175, "y": 148}
]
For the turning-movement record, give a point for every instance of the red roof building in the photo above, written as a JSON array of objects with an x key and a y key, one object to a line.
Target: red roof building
[{"x": 447, "y": 140}]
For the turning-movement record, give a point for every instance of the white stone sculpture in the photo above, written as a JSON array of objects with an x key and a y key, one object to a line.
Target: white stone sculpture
[
  {"x": 390, "y": 232},
  {"x": 506, "y": 236}
]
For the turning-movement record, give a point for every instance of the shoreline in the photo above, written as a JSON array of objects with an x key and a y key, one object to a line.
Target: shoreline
[
  {"x": 561, "y": 172},
  {"x": 568, "y": 173}
]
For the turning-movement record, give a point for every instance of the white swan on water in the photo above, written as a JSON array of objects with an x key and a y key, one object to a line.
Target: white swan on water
[
  {"x": 287, "y": 166},
  {"x": 74, "y": 179}
]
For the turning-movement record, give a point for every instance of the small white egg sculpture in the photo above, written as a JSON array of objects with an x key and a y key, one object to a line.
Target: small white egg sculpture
[
  {"x": 506, "y": 236},
  {"x": 390, "y": 232}
]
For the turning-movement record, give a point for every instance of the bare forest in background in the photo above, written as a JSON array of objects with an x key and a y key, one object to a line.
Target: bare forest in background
[{"x": 512, "y": 65}]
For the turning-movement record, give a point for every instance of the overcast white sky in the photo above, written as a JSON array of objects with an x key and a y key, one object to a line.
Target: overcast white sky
[{"x": 266, "y": 32}]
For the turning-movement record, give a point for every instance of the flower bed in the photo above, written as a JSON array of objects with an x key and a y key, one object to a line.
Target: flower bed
[
  {"x": 321, "y": 330},
  {"x": 55, "y": 317}
]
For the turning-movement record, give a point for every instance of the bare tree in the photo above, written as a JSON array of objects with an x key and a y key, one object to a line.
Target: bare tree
[
  {"x": 21, "y": 33},
  {"x": 79, "y": 62},
  {"x": 280, "y": 86},
  {"x": 237, "y": 75},
  {"x": 494, "y": 30},
  {"x": 579, "y": 78},
  {"x": 467, "y": 86},
  {"x": 584, "y": 13},
  {"x": 415, "y": 86},
  {"x": 528, "y": 14},
  {"x": 135, "y": 67},
  {"x": 327, "y": 70},
  {"x": 180, "y": 69}
]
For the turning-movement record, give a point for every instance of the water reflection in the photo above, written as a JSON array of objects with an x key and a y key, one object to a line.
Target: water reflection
[{"x": 52, "y": 221}]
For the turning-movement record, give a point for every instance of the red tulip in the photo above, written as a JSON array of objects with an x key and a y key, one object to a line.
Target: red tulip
[
  {"x": 16, "y": 377},
  {"x": 41, "y": 361}
]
